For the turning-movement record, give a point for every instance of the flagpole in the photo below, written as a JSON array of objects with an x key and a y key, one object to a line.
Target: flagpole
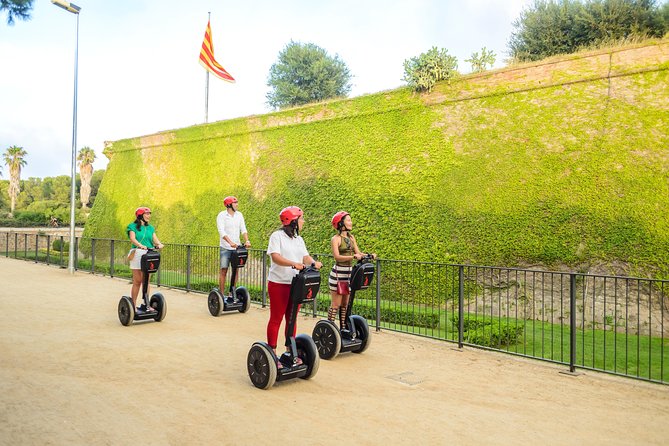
[{"x": 206, "y": 88}]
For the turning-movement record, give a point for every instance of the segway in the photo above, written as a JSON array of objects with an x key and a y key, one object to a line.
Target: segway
[
  {"x": 262, "y": 361},
  {"x": 354, "y": 335},
  {"x": 239, "y": 298},
  {"x": 126, "y": 310}
]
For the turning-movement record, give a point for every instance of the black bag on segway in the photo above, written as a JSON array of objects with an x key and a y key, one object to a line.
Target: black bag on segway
[
  {"x": 362, "y": 276},
  {"x": 150, "y": 262},
  {"x": 239, "y": 257},
  {"x": 305, "y": 285}
]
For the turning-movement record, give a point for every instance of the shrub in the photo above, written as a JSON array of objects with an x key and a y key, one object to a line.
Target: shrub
[
  {"x": 424, "y": 71},
  {"x": 494, "y": 336},
  {"x": 60, "y": 245},
  {"x": 488, "y": 332},
  {"x": 30, "y": 217}
]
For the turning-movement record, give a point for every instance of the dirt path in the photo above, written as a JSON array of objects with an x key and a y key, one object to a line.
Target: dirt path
[{"x": 71, "y": 374}]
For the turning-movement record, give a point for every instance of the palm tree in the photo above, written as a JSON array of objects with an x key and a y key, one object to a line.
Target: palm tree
[
  {"x": 14, "y": 159},
  {"x": 86, "y": 157}
]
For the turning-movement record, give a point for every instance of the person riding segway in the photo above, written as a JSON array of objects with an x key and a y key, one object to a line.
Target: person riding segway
[
  {"x": 144, "y": 260},
  {"x": 344, "y": 281},
  {"x": 230, "y": 224},
  {"x": 290, "y": 283}
]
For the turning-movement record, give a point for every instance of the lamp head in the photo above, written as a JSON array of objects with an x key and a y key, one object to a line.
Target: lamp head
[{"x": 67, "y": 6}]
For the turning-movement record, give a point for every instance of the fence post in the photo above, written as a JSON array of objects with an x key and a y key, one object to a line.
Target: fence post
[
  {"x": 48, "y": 247},
  {"x": 378, "y": 295},
  {"x": 461, "y": 305},
  {"x": 92, "y": 255},
  {"x": 60, "y": 263},
  {"x": 572, "y": 322},
  {"x": 264, "y": 279},
  {"x": 16, "y": 244},
  {"x": 187, "y": 267},
  {"x": 36, "y": 246},
  {"x": 76, "y": 252},
  {"x": 158, "y": 276},
  {"x": 7, "y": 247},
  {"x": 25, "y": 246},
  {"x": 111, "y": 259}
]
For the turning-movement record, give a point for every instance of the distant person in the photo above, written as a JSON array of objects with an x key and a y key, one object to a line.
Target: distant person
[
  {"x": 143, "y": 237},
  {"x": 289, "y": 255},
  {"x": 231, "y": 225},
  {"x": 345, "y": 250}
]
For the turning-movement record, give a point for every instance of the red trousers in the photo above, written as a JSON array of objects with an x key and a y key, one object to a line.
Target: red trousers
[{"x": 279, "y": 308}]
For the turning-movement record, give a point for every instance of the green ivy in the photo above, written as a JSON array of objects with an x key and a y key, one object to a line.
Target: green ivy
[{"x": 556, "y": 165}]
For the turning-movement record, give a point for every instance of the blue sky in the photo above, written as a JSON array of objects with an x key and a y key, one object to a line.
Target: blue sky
[{"x": 139, "y": 71}]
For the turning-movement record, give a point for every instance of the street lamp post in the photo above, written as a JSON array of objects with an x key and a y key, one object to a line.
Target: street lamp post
[{"x": 74, "y": 9}]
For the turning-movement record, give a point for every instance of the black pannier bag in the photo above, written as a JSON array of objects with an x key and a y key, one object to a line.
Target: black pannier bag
[
  {"x": 150, "y": 262},
  {"x": 239, "y": 257},
  {"x": 305, "y": 285},
  {"x": 362, "y": 276}
]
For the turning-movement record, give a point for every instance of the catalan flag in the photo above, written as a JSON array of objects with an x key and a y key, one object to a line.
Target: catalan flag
[{"x": 207, "y": 58}]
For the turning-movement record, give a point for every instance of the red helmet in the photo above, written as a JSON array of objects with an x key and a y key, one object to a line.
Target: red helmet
[
  {"x": 338, "y": 218},
  {"x": 287, "y": 215},
  {"x": 227, "y": 201},
  {"x": 142, "y": 211}
]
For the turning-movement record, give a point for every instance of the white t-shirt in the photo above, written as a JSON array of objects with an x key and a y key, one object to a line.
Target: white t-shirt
[
  {"x": 292, "y": 249},
  {"x": 230, "y": 225}
]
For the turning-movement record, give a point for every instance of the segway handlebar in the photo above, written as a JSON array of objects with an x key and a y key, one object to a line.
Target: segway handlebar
[
  {"x": 312, "y": 266},
  {"x": 367, "y": 258}
]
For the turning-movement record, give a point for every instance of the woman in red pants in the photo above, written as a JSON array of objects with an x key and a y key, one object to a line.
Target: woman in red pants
[{"x": 289, "y": 255}]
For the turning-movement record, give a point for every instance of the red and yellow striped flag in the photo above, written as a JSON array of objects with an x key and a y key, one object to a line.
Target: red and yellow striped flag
[{"x": 207, "y": 58}]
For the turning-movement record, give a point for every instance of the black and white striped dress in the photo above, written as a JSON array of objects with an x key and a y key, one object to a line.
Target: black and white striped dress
[
  {"x": 337, "y": 273},
  {"x": 341, "y": 271}
]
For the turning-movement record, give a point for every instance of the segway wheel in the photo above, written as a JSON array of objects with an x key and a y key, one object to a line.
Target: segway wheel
[
  {"x": 243, "y": 296},
  {"x": 126, "y": 311},
  {"x": 261, "y": 366},
  {"x": 158, "y": 302},
  {"x": 307, "y": 351},
  {"x": 327, "y": 338},
  {"x": 215, "y": 303},
  {"x": 362, "y": 332}
]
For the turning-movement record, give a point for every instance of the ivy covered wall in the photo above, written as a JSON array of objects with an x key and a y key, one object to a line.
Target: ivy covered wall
[{"x": 557, "y": 163}]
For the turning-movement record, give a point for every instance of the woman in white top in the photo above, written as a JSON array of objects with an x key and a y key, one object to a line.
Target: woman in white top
[{"x": 289, "y": 255}]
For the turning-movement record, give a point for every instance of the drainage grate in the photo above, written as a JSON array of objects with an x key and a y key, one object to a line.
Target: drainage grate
[{"x": 408, "y": 378}]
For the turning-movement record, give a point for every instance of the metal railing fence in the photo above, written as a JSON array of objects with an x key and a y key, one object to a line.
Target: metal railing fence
[{"x": 612, "y": 324}]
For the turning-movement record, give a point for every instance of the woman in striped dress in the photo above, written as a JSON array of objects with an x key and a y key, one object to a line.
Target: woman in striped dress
[{"x": 345, "y": 250}]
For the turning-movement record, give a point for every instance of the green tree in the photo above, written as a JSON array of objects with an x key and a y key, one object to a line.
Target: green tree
[
  {"x": 305, "y": 73},
  {"x": 31, "y": 191},
  {"x": 4, "y": 197},
  {"x": 47, "y": 188},
  {"x": 550, "y": 27},
  {"x": 14, "y": 158},
  {"x": 96, "y": 180},
  {"x": 16, "y": 8},
  {"x": 424, "y": 71},
  {"x": 61, "y": 188},
  {"x": 85, "y": 157},
  {"x": 480, "y": 62}
]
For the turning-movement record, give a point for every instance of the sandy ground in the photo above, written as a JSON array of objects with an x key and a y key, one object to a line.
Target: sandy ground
[{"x": 70, "y": 373}]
